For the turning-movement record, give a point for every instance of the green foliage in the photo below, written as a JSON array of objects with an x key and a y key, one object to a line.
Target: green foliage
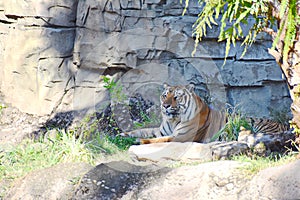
[
  {"x": 109, "y": 84},
  {"x": 230, "y": 132},
  {"x": 107, "y": 144},
  {"x": 289, "y": 22},
  {"x": 122, "y": 143},
  {"x": 32, "y": 155},
  {"x": 88, "y": 126},
  {"x": 235, "y": 13},
  {"x": 115, "y": 89},
  {"x": 255, "y": 164},
  {"x": 147, "y": 120}
]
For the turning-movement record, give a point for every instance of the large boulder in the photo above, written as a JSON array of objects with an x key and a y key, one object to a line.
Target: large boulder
[
  {"x": 117, "y": 179},
  {"x": 213, "y": 180},
  {"x": 280, "y": 182},
  {"x": 57, "y": 182},
  {"x": 164, "y": 153},
  {"x": 37, "y": 58}
]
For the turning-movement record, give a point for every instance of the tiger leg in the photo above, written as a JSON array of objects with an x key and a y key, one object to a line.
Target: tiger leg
[
  {"x": 157, "y": 140},
  {"x": 143, "y": 133}
]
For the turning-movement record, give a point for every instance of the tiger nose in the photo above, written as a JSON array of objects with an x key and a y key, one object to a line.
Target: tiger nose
[{"x": 165, "y": 105}]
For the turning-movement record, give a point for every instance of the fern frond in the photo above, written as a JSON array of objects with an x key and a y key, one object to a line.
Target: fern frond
[
  {"x": 283, "y": 7},
  {"x": 279, "y": 32},
  {"x": 185, "y": 6},
  {"x": 290, "y": 34}
]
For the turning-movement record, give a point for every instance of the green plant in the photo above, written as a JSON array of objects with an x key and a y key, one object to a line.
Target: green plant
[
  {"x": 255, "y": 164},
  {"x": 88, "y": 126},
  {"x": 103, "y": 143},
  {"x": 32, "y": 155},
  {"x": 115, "y": 89},
  {"x": 235, "y": 14},
  {"x": 123, "y": 143},
  {"x": 230, "y": 132},
  {"x": 109, "y": 83},
  {"x": 147, "y": 120}
]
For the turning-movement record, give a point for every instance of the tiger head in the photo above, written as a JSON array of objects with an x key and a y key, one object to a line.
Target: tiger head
[{"x": 174, "y": 100}]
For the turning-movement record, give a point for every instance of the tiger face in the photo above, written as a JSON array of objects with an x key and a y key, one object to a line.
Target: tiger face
[{"x": 174, "y": 100}]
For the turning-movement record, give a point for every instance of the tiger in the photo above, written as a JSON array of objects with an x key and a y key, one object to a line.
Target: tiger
[{"x": 185, "y": 118}]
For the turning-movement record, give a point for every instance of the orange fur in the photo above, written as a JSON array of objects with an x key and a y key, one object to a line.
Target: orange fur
[{"x": 157, "y": 140}]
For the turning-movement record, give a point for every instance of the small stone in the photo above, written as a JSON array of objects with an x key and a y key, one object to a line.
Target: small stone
[
  {"x": 113, "y": 190},
  {"x": 106, "y": 187},
  {"x": 230, "y": 186}
]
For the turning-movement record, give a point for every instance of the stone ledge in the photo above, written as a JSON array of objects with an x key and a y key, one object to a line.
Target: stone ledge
[
  {"x": 260, "y": 144},
  {"x": 186, "y": 152}
]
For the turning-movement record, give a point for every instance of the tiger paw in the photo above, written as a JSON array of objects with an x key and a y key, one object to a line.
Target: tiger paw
[
  {"x": 144, "y": 141},
  {"x": 124, "y": 134}
]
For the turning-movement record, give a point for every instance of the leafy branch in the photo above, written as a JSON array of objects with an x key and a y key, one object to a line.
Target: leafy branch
[{"x": 236, "y": 13}]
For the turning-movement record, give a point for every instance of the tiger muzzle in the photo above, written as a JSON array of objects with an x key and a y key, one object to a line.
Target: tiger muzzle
[{"x": 170, "y": 111}]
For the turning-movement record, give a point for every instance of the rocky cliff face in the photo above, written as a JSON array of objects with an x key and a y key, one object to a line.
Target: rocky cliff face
[{"x": 53, "y": 53}]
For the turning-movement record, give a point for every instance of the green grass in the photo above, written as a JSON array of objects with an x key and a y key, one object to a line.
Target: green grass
[
  {"x": 16, "y": 161},
  {"x": 256, "y": 163},
  {"x": 231, "y": 130},
  {"x": 150, "y": 120}
]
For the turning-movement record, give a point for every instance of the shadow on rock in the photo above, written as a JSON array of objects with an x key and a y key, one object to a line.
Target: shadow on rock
[{"x": 117, "y": 179}]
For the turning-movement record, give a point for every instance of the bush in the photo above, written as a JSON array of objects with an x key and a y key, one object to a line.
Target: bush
[{"x": 231, "y": 130}]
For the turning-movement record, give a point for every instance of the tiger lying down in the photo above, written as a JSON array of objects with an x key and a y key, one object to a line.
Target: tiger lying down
[{"x": 187, "y": 118}]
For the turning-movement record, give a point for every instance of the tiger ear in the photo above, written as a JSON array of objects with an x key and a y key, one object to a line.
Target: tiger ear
[
  {"x": 165, "y": 85},
  {"x": 190, "y": 87}
]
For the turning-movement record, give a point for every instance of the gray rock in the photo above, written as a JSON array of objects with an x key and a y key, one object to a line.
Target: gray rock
[
  {"x": 266, "y": 143},
  {"x": 280, "y": 182},
  {"x": 51, "y": 183},
  {"x": 250, "y": 74},
  {"x": 224, "y": 180},
  {"x": 174, "y": 151},
  {"x": 130, "y": 4},
  {"x": 61, "y": 13},
  {"x": 166, "y": 153},
  {"x": 73, "y": 42},
  {"x": 214, "y": 180},
  {"x": 228, "y": 149},
  {"x": 116, "y": 180}
]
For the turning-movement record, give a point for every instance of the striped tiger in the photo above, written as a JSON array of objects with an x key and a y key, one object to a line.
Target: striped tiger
[
  {"x": 267, "y": 126},
  {"x": 187, "y": 118}
]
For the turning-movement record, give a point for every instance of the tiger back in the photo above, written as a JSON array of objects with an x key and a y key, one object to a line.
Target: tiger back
[
  {"x": 185, "y": 118},
  {"x": 267, "y": 126}
]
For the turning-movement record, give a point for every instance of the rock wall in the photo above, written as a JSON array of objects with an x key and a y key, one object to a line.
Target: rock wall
[{"x": 53, "y": 53}]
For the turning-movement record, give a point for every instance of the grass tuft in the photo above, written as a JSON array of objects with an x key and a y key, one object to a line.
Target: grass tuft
[
  {"x": 30, "y": 155},
  {"x": 257, "y": 163},
  {"x": 231, "y": 130}
]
